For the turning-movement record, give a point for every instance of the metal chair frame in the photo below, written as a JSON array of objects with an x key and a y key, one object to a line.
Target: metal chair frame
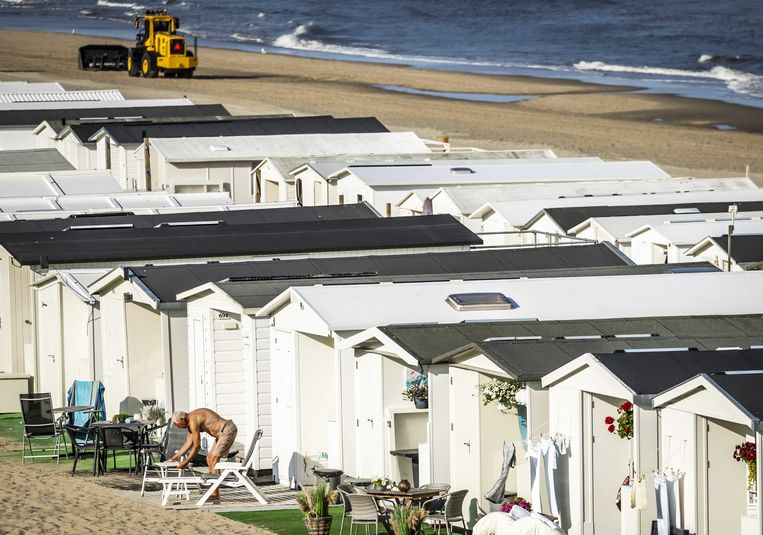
[
  {"x": 364, "y": 512},
  {"x": 44, "y": 427},
  {"x": 452, "y": 512}
]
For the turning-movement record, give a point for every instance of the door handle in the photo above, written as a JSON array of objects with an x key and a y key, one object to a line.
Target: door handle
[
  {"x": 468, "y": 444},
  {"x": 121, "y": 360},
  {"x": 52, "y": 357}
]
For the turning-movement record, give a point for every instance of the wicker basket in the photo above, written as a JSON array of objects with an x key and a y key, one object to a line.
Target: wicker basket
[{"x": 318, "y": 525}]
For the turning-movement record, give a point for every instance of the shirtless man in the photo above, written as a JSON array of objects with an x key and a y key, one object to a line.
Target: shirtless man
[{"x": 206, "y": 421}]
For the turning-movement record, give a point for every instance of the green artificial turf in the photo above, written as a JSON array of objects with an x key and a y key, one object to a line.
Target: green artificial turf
[
  {"x": 284, "y": 521},
  {"x": 11, "y": 429}
]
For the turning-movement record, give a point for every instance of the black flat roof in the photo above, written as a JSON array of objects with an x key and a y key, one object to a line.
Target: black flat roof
[
  {"x": 129, "y": 132},
  {"x": 570, "y": 217},
  {"x": 439, "y": 342},
  {"x": 654, "y": 372},
  {"x": 35, "y": 117},
  {"x": 744, "y": 247},
  {"x": 252, "y": 281},
  {"x": 229, "y": 217},
  {"x": 200, "y": 241}
]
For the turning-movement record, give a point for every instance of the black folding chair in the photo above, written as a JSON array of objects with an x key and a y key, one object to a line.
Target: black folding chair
[
  {"x": 38, "y": 423},
  {"x": 83, "y": 441},
  {"x": 114, "y": 438}
]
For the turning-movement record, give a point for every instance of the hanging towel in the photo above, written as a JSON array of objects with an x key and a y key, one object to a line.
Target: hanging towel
[
  {"x": 674, "y": 502},
  {"x": 498, "y": 490},
  {"x": 663, "y": 509},
  {"x": 638, "y": 494},
  {"x": 548, "y": 451},
  {"x": 533, "y": 454}
]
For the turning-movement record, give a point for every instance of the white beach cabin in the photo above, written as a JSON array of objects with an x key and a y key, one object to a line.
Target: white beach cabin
[
  {"x": 585, "y": 393},
  {"x": 227, "y": 163},
  {"x": 702, "y": 420},
  {"x": 68, "y": 331},
  {"x": 656, "y": 244},
  {"x": 310, "y": 335}
]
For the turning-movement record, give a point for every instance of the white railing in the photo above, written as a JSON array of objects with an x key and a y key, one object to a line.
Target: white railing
[{"x": 547, "y": 239}]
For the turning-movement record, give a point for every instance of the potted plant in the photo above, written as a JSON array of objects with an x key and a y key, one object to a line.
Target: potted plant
[
  {"x": 624, "y": 421},
  {"x": 418, "y": 392},
  {"x": 502, "y": 392},
  {"x": 408, "y": 520},
  {"x": 154, "y": 414},
  {"x": 120, "y": 418},
  {"x": 314, "y": 503}
]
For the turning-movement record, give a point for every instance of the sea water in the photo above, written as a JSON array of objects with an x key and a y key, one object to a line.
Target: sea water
[{"x": 698, "y": 48}]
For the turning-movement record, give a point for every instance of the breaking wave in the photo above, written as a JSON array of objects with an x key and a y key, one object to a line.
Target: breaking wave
[
  {"x": 110, "y": 3},
  {"x": 738, "y": 81},
  {"x": 302, "y": 38}
]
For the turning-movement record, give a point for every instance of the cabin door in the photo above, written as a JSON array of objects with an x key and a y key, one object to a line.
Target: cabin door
[
  {"x": 285, "y": 416},
  {"x": 50, "y": 348},
  {"x": 610, "y": 457},
  {"x": 465, "y": 431},
  {"x": 369, "y": 419},
  {"x": 115, "y": 361},
  {"x": 726, "y": 478}
]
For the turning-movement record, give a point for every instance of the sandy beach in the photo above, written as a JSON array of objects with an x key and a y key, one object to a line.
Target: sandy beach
[
  {"x": 45, "y": 498},
  {"x": 571, "y": 117}
]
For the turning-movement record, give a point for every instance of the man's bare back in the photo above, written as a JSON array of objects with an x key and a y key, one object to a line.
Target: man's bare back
[{"x": 203, "y": 421}]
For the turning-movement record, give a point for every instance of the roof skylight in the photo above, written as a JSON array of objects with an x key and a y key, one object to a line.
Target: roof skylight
[{"x": 481, "y": 301}]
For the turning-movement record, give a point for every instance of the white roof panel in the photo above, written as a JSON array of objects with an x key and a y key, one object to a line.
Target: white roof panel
[
  {"x": 85, "y": 104},
  {"x": 374, "y": 305},
  {"x": 469, "y": 198},
  {"x": 31, "y": 87},
  {"x": 232, "y": 148},
  {"x": 98, "y": 95},
  {"x": 620, "y": 226},
  {"x": 521, "y": 172},
  {"x": 518, "y": 213},
  {"x": 693, "y": 233},
  {"x": 329, "y": 165},
  {"x": 56, "y": 183}
]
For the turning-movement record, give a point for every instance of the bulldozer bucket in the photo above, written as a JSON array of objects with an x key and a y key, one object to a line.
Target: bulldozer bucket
[{"x": 103, "y": 58}]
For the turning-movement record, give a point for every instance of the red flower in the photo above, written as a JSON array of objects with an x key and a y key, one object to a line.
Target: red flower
[
  {"x": 627, "y": 406},
  {"x": 611, "y": 428},
  {"x": 609, "y": 420},
  {"x": 627, "y": 430}
]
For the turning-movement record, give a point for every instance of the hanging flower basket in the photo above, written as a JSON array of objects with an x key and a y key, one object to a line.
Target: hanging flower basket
[
  {"x": 747, "y": 452},
  {"x": 623, "y": 424},
  {"x": 502, "y": 392},
  {"x": 418, "y": 392},
  {"x": 318, "y": 525}
]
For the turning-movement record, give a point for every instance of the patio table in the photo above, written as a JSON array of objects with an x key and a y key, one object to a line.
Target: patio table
[
  {"x": 401, "y": 498},
  {"x": 137, "y": 427}
]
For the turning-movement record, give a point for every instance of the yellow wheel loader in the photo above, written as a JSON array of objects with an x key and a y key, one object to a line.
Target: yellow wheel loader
[{"x": 158, "y": 49}]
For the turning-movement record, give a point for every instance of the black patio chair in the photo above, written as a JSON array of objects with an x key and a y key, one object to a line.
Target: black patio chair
[
  {"x": 38, "y": 423},
  {"x": 83, "y": 441},
  {"x": 114, "y": 438}
]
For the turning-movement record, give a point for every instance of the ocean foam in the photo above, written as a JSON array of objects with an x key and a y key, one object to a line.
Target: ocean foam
[
  {"x": 110, "y": 3},
  {"x": 246, "y": 38},
  {"x": 738, "y": 81},
  {"x": 297, "y": 40}
]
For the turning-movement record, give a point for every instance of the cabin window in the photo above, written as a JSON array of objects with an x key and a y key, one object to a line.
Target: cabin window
[
  {"x": 360, "y": 198},
  {"x": 389, "y": 209},
  {"x": 341, "y": 199},
  {"x": 481, "y": 301}
]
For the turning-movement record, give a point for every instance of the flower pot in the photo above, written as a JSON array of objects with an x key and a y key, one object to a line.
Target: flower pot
[
  {"x": 421, "y": 403},
  {"x": 318, "y": 525}
]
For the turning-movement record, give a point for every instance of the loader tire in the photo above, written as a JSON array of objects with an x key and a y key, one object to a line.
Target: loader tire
[
  {"x": 133, "y": 66},
  {"x": 148, "y": 66}
]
